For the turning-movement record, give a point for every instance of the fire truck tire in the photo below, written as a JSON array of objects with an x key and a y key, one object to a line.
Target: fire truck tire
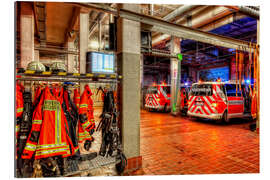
[
  {"x": 165, "y": 108},
  {"x": 225, "y": 117}
]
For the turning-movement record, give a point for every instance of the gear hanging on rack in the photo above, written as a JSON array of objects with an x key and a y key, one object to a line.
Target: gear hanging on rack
[{"x": 56, "y": 88}]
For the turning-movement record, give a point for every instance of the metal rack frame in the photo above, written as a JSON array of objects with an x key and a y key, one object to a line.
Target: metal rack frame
[{"x": 68, "y": 77}]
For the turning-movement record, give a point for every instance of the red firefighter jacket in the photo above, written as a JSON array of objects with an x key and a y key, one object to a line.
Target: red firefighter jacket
[
  {"x": 37, "y": 94},
  {"x": 19, "y": 108},
  {"x": 76, "y": 98},
  {"x": 19, "y": 100},
  {"x": 86, "y": 108},
  {"x": 48, "y": 136}
]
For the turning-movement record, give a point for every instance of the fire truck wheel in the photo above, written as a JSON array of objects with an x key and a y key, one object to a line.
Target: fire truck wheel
[
  {"x": 225, "y": 117},
  {"x": 165, "y": 108}
]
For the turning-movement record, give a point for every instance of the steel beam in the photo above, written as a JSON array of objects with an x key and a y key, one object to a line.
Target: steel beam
[
  {"x": 56, "y": 50},
  {"x": 185, "y": 32}
]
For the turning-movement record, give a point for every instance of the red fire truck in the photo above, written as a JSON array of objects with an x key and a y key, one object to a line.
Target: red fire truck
[
  {"x": 158, "y": 97},
  {"x": 221, "y": 101}
]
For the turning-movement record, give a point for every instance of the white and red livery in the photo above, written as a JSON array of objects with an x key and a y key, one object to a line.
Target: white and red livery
[
  {"x": 219, "y": 101},
  {"x": 158, "y": 97}
]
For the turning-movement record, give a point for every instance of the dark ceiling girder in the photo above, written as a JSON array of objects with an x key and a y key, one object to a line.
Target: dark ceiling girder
[
  {"x": 185, "y": 32},
  {"x": 56, "y": 50},
  {"x": 97, "y": 7},
  {"x": 69, "y": 31},
  {"x": 40, "y": 21}
]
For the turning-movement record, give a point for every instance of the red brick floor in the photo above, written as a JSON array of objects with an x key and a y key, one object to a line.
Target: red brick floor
[{"x": 181, "y": 145}]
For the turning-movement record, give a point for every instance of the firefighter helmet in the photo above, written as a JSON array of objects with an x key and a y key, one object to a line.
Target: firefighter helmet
[
  {"x": 36, "y": 66},
  {"x": 58, "y": 67}
]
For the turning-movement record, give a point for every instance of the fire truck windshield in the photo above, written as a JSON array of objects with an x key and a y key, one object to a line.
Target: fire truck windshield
[
  {"x": 152, "y": 91},
  {"x": 201, "y": 90},
  {"x": 167, "y": 89}
]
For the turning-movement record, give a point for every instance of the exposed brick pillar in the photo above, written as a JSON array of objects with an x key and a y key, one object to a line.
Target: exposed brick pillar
[
  {"x": 84, "y": 29},
  {"x": 26, "y": 34}
]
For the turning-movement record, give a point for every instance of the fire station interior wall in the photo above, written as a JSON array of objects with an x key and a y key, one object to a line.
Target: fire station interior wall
[
  {"x": 214, "y": 73},
  {"x": 47, "y": 61}
]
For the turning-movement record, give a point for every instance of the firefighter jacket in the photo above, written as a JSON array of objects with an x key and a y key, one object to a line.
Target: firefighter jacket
[
  {"x": 72, "y": 116},
  {"x": 38, "y": 92},
  {"x": 48, "y": 136},
  {"x": 86, "y": 123},
  {"x": 76, "y": 97},
  {"x": 19, "y": 110},
  {"x": 19, "y": 100}
]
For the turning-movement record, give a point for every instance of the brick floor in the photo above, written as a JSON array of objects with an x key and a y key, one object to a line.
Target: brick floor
[{"x": 182, "y": 145}]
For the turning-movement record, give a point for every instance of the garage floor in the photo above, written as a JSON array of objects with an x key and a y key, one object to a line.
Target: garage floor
[{"x": 180, "y": 145}]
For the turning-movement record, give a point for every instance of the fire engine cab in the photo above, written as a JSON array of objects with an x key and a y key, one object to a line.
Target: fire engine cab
[
  {"x": 158, "y": 97},
  {"x": 221, "y": 101}
]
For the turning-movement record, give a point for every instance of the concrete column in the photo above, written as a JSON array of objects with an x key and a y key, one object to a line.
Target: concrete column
[
  {"x": 175, "y": 74},
  {"x": 70, "y": 58},
  {"x": 128, "y": 50},
  {"x": 141, "y": 81},
  {"x": 84, "y": 25},
  {"x": 27, "y": 34}
]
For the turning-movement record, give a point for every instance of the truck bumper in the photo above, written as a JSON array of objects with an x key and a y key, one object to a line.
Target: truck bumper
[
  {"x": 154, "y": 107},
  {"x": 211, "y": 116}
]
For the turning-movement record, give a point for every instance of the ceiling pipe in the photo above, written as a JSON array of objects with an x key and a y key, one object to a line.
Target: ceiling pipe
[
  {"x": 252, "y": 12},
  {"x": 197, "y": 20},
  {"x": 221, "y": 22},
  {"x": 194, "y": 11},
  {"x": 178, "y": 12}
]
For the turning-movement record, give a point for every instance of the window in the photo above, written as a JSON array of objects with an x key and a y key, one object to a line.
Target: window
[
  {"x": 152, "y": 91},
  {"x": 201, "y": 90},
  {"x": 231, "y": 90},
  {"x": 167, "y": 89}
]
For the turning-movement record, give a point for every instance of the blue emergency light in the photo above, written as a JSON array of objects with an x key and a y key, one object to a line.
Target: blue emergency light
[{"x": 247, "y": 81}]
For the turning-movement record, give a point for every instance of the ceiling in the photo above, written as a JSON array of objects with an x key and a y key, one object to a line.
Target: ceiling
[{"x": 56, "y": 22}]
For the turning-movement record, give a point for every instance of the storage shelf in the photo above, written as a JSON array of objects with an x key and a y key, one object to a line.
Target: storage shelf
[{"x": 71, "y": 77}]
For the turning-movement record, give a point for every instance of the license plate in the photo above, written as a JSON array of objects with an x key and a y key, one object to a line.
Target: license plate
[{"x": 199, "y": 103}]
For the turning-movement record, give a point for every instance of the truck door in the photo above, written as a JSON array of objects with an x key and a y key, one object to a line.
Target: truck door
[{"x": 235, "y": 100}]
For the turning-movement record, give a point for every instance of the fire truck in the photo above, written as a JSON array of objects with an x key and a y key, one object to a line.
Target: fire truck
[
  {"x": 158, "y": 97},
  {"x": 221, "y": 101}
]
